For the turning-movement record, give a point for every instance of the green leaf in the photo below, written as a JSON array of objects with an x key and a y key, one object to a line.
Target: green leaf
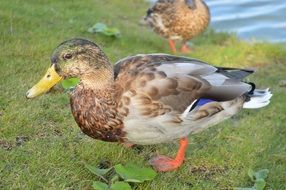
[
  {"x": 251, "y": 173},
  {"x": 103, "y": 29},
  {"x": 112, "y": 32},
  {"x": 261, "y": 174},
  {"x": 133, "y": 173},
  {"x": 120, "y": 185},
  {"x": 97, "y": 185},
  {"x": 69, "y": 83},
  {"x": 99, "y": 172},
  {"x": 98, "y": 27},
  {"x": 260, "y": 184}
]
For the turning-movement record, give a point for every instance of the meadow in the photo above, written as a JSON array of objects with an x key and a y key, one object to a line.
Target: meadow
[{"x": 41, "y": 146}]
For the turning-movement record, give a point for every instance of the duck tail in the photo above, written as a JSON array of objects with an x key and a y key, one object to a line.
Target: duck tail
[{"x": 257, "y": 98}]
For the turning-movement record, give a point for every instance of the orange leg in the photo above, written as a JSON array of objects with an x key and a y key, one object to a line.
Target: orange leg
[
  {"x": 185, "y": 48},
  {"x": 164, "y": 163},
  {"x": 172, "y": 46}
]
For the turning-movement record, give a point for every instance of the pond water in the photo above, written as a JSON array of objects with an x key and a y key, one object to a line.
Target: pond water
[{"x": 260, "y": 20}]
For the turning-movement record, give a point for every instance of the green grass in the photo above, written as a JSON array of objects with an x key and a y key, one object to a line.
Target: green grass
[{"x": 54, "y": 154}]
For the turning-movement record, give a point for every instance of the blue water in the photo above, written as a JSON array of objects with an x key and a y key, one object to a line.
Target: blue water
[{"x": 259, "y": 20}]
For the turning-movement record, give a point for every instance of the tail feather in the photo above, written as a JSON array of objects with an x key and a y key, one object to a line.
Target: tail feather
[
  {"x": 235, "y": 73},
  {"x": 258, "y": 99}
]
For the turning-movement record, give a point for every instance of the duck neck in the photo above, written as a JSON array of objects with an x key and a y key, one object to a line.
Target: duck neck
[
  {"x": 97, "y": 79},
  {"x": 94, "y": 107}
]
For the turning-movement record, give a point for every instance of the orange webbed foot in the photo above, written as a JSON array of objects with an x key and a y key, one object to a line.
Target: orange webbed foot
[
  {"x": 165, "y": 164},
  {"x": 185, "y": 49}
]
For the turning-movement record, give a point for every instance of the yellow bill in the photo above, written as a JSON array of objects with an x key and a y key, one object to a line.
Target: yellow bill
[{"x": 50, "y": 79}]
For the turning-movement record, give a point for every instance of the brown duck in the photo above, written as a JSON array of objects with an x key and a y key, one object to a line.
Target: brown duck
[
  {"x": 178, "y": 20},
  {"x": 147, "y": 99}
]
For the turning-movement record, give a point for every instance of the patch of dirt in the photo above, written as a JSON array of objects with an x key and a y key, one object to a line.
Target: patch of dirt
[
  {"x": 57, "y": 132},
  {"x": 6, "y": 145},
  {"x": 20, "y": 140},
  {"x": 282, "y": 83},
  {"x": 207, "y": 171},
  {"x": 48, "y": 131}
]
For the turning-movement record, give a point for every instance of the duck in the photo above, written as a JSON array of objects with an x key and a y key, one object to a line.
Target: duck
[
  {"x": 178, "y": 20},
  {"x": 147, "y": 99}
]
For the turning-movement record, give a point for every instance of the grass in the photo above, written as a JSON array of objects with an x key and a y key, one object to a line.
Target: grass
[{"x": 42, "y": 148}]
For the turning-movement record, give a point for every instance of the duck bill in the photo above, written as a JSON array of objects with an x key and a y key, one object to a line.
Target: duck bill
[{"x": 50, "y": 79}]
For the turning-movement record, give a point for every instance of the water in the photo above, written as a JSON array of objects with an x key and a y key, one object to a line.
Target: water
[{"x": 260, "y": 20}]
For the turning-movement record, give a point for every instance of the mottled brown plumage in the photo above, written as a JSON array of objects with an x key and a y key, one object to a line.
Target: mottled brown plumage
[
  {"x": 96, "y": 118},
  {"x": 178, "y": 19},
  {"x": 156, "y": 93},
  {"x": 147, "y": 99}
]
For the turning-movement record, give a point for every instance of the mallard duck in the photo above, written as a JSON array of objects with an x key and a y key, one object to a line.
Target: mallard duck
[
  {"x": 148, "y": 98},
  {"x": 178, "y": 20}
]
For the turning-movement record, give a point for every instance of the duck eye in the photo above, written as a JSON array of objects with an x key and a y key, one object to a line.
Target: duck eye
[{"x": 67, "y": 56}]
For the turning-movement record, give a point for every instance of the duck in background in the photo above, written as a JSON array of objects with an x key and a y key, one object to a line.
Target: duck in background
[
  {"x": 178, "y": 20},
  {"x": 148, "y": 98}
]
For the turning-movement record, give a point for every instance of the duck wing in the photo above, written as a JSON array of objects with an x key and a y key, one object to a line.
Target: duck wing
[{"x": 159, "y": 84}]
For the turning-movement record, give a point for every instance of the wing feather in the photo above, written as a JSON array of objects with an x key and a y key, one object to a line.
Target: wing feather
[{"x": 159, "y": 84}]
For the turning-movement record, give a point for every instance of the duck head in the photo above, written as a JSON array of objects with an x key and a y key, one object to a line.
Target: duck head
[
  {"x": 191, "y": 4},
  {"x": 78, "y": 58}
]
